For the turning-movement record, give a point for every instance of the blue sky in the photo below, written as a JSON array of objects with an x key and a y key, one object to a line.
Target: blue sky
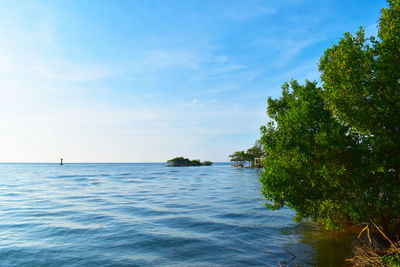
[{"x": 145, "y": 81}]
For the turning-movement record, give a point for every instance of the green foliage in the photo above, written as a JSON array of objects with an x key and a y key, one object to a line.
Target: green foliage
[
  {"x": 256, "y": 151},
  {"x": 183, "y": 162},
  {"x": 241, "y": 157},
  {"x": 391, "y": 260},
  {"x": 179, "y": 161},
  {"x": 361, "y": 79},
  {"x": 311, "y": 158},
  {"x": 334, "y": 152}
]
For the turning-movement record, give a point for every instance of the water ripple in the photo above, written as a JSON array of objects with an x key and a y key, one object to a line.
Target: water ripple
[{"x": 137, "y": 215}]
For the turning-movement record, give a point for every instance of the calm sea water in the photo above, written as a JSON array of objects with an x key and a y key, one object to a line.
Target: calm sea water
[{"x": 149, "y": 215}]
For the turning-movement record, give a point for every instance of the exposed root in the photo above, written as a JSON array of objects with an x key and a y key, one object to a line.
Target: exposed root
[
  {"x": 366, "y": 256},
  {"x": 370, "y": 255}
]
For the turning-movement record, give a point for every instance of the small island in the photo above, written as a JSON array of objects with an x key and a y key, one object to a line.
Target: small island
[
  {"x": 184, "y": 162},
  {"x": 252, "y": 158}
]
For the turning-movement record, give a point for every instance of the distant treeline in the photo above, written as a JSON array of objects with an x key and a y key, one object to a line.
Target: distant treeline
[
  {"x": 184, "y": 162},
  {"x": 252, "y": 157}
]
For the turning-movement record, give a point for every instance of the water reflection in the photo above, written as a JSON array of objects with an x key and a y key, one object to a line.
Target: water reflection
[{"x": 314, "y": 246}]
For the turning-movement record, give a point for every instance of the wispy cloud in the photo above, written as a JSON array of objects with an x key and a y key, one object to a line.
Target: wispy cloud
[
  {"x": 142, "y": 83},
  {"x": 289, "y": 49},
  {"x": 73, "y": 71},
  {"x": 45, "y": 32},
  {"x": 248, "y": 9},
  {"x": 156, "y": 59}
]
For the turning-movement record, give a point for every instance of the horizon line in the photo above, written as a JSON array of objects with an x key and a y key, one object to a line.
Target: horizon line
[{"x": 31, "y": 162}]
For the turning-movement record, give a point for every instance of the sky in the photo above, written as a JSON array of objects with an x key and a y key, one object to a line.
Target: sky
[{"x": 146, "y": 81}]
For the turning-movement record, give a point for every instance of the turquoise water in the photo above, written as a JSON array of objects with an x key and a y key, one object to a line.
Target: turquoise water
[{"x": 146, "y": 215}]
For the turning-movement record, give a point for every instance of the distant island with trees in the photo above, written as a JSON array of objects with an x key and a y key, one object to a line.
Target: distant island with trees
[
  {"x": 184, "y": 162},
  {"x": 251, "y": 158}
]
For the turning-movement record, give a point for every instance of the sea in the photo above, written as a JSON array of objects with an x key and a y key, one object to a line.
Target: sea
[{"x": 148, "y": 214}]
